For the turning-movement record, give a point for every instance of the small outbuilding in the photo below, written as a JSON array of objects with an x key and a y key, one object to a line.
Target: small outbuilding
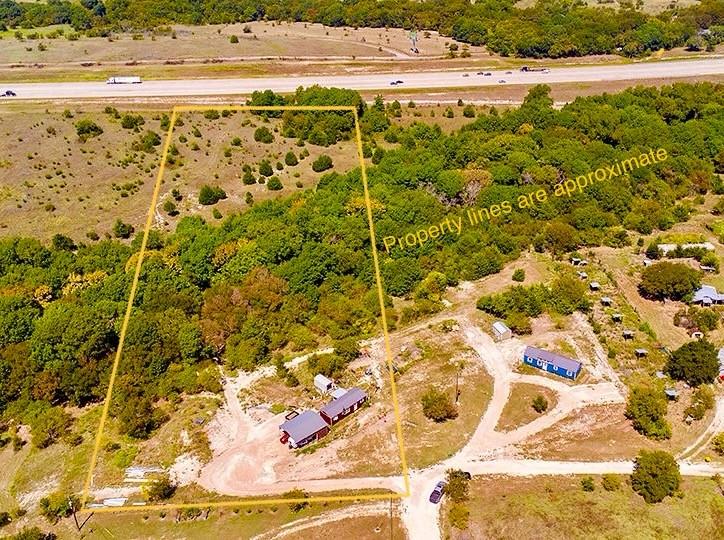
[
  {"x": 617, "y": 317},
  {"x": 606, "y": 301},
  {"x": 671, "y": 393},
  {"x": 594, "y": 285},
  {"x": 322, "y": 383},
  {"x": 628, "y": 334},
  {"x": 501, "y": 331},
  {"x": 640, "y": 353},
  {"x": 343, "y": 406},
  {"x": 552, "y": 362},
  {"x": 582, "y": 275},
  {"x": 305, "y": 428}
]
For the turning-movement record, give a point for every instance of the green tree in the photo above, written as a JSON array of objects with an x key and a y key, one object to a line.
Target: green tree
[
  {"x": 160, "y": 489},
  {"x": 587, "y": 484},
  {"x": 170, "y": 208},
  {"x": 695, "y": 362},
  {"x": 58, "y": 505},
  {"x": 646, "y": 408},
  {"x": 668, "y": 280},
  {"x": 717, "y": 443},
  {"x": 438, "y": 406},
  {"x": 49, "y": 426},
  {"x": 655, "y": 476},
  {"x": 519, "y": 275}
]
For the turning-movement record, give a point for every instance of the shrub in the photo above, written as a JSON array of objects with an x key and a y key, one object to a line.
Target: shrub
[
  {"x": 4, "y": 518},
  {"x": 279, "y": 166},
  {"x": 291, "y": 159},
  {"x": 211, "y": 195},
  {"x": 587, "y": 484},
  {"x": 233, "y": 39},
  {"x": 457, "y": 485},
  {"x": 263, "y": 135},
  {"x": 248, "y": 178},
  {"x": 717, "y": 443},
  {"x": 87, "y": 129},
  {"x": 236, "y": 141},
  {"x": 438, "y": 406},
  {"x": 211, "y": 114},
  {"x": 297, "y": 506},
  {"x": 469, "y": 111},
  {"x": 539, "y": 404},
  {"x": 170, "y": 208},
  {"x": 274, "y": 184},
  {"x": 131, "y": 121},
  {"x": 655, "y": 476},
  {"x": 265, "y": 168},
  {"x": 322, "y": 163},
  {"x": 160, "y": 489},
  {"x": 611, "y": 482},
  {"x": 122, "y": 230},
  {"x": 703, "y": 400},
  {"x": 519, "y": 275},
  {"x": 459, "y": 516},
  {"x": 216, "y": 213}
]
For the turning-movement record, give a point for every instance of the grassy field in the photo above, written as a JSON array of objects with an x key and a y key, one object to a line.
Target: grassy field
[
  {"x": 518, "y": 410},
  {"x": 231, "y": 523},
  {"x": 548, "y": 508},
  {"x": 58, "y": 183},
  {"x": 427, "y": 442}
]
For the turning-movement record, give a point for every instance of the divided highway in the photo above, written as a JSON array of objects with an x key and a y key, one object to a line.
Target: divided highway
[{"x": 373, "y": 81}]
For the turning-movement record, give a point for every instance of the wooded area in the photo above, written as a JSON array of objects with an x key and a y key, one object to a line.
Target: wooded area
[
  {"x": 552, "y": 29},
  {"x": 293, "y": 273}
]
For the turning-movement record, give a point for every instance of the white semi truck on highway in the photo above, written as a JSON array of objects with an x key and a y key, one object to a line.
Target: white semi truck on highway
[{"x": 123, "y": 80}]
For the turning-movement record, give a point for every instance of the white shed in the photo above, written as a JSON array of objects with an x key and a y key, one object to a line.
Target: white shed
[
  {"x": 501, "y": 331},
  {"x": 322, "y": 383}
]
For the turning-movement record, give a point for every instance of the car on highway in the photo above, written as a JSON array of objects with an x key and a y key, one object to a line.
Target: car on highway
[
  {"x": 8, "y": 93},
  {"x": 437, "y": 492},
  {"x": 466, "y": 74},
  {"x": 501, "y": 81},
  {"x": 508, "y": 72},
  {"x": 395, "y": 83}
]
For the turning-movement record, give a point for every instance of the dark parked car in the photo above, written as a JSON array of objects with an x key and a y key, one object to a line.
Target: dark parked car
[
  {"x": 438, "y": 492},
  {"x": 501, "y": 81},
  {"x": 395, "y": 83},
  {"x": 9, "y": 93}
]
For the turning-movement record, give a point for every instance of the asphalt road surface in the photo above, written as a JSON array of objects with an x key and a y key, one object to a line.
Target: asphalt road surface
[{"x": 376, "y": 81}]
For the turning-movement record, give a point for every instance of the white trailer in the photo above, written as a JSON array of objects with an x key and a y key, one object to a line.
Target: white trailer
[{"x": 124, "y": 80}]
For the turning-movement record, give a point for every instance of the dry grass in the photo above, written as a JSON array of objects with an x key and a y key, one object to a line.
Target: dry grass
[
  {"x": 519, "y": 410},
  {"x": 360, "y": 528},
  {"x": 548, "y": 508},
  {"x": 55, "y": 183}
]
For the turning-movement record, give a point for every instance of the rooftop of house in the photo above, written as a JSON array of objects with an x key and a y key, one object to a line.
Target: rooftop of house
[
  {"x": 305, "y": 424},
  {"x": 336, "y": 406}
]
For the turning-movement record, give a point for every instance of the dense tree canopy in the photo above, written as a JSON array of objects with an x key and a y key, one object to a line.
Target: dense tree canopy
[
  {"x": 656, "y": 475},
  {"x": 695, "y": 362}
]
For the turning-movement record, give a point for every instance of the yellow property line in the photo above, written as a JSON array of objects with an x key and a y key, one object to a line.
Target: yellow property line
[{"x": 134, "y": 289}]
